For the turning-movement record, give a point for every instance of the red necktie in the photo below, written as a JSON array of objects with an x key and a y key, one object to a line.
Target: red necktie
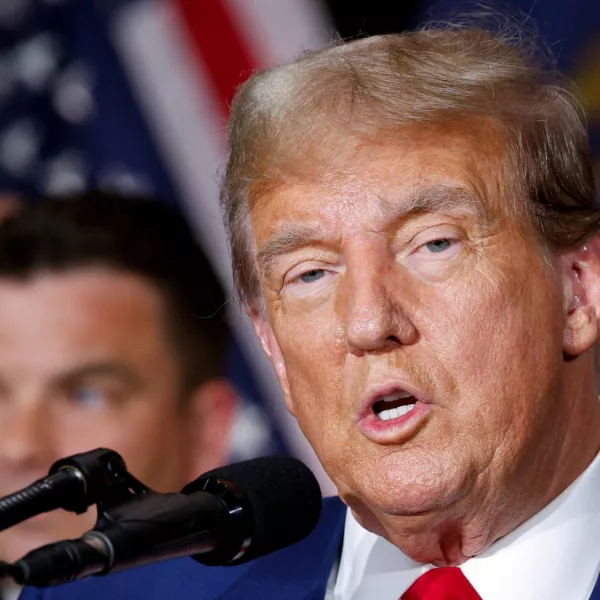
[{"x": 443, "y": 583}]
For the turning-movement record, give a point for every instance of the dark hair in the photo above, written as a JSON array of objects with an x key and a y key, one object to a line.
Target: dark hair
[{"x": 140, "y": 236}]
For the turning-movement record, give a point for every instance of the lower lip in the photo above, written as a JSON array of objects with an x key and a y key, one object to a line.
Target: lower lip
[{"x": 395, "y": 430}]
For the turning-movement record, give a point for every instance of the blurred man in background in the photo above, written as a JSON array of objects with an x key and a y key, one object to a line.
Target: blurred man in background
[{"x": 111, "y": 334}]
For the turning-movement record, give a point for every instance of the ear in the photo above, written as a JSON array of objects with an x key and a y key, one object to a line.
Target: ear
[
  {"x": 270, "y": 346},
  {"x": 581, "y": 283},
  {"x": 210, "y": 414}
]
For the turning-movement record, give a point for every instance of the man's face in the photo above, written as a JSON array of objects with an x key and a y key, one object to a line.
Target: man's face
[
  {"x": 85, "y": 362},
  {"x": 417, "y": 332}
]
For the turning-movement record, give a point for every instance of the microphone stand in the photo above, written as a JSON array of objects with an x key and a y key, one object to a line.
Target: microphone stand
[
  {"x": 74, "y": 484},
  {"x": 208, "y": 520},
  {"x": 224, "y": 517}
]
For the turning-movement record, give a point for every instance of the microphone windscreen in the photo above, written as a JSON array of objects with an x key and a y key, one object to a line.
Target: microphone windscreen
[{"x": 284, "y": 496}]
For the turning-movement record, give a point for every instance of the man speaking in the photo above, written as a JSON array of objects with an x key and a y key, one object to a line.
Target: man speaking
[{"x": 414, "y": 227}]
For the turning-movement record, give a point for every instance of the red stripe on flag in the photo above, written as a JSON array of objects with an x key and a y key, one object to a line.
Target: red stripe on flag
[{"x": 219, "y": 44}]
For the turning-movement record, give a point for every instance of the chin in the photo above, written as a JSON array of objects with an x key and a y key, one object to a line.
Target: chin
[
  {"x": 399, "y": 485},
  {"x": 389, "y": 502}
]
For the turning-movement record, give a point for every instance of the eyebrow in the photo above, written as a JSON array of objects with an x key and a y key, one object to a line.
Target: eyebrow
[
  {"x": 439, "y": 198},
  {"x": 99, "y": 369},
  {"x": 422, "y": 200},
  {"x": 290, "y": 237}
]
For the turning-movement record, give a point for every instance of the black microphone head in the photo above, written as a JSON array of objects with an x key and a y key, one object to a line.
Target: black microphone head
[{"x": 284, "y": 500}]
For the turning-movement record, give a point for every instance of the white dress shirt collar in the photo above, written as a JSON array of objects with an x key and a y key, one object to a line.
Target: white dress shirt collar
[{"x": 555, "y": 554}]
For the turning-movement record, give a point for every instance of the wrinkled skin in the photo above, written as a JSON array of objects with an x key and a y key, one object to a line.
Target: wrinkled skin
[
  {"x": 406, "y": 266},
  {"x": 86, "y": 362}
]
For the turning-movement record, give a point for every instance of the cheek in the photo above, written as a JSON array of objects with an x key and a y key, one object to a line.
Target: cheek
[
  {"x": 502, "y": 346},
  {"x": 155, "y": 449},
  {"x": 314, "y": 352},
  {"x": 143, "y": 432}
]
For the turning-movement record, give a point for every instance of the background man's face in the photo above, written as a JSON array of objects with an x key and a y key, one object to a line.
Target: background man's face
[
  {"x": 404, "y": 275},
  {"x": 85, "y": 362}
]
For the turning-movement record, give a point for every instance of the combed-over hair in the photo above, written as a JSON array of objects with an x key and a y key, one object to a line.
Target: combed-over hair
[{"x": 290, "y": 119}]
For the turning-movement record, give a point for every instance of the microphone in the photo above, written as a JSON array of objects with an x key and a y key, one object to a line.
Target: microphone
[
  {"x": 226, "y": 517},
  {"x": 73, "y": 483}
]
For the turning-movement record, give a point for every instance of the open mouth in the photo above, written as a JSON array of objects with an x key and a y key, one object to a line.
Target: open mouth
[{"x": 394, "y": 405}]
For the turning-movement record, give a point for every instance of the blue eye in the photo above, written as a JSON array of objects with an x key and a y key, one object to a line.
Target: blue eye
[
  {"x": 438, "y": 245},
  {"x": 89, "y": 397},
  {"x": 313, "y": 275}
]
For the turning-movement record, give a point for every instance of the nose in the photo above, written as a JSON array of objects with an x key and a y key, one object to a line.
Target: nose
[
  {"x": 25, "y": 437},
  {"x": 373, "y": 313}
]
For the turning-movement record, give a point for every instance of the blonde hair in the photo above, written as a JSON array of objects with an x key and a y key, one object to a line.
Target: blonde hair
[{"x": 288, "y": 121}]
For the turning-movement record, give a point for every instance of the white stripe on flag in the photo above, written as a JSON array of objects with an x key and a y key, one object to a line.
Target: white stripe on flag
[
  {"x": 279, "y": 31},
  {"x": 181, "y": 111},
  {"x": 178, "y": 102}
]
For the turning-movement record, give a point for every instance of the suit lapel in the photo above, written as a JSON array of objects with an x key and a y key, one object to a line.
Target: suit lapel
[
  {"x": 299, "y": 572},
  {"x": 596, "y": 592}
]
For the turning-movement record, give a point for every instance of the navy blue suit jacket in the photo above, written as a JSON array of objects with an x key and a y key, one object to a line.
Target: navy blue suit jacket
[{"x": 299, "y": 572}]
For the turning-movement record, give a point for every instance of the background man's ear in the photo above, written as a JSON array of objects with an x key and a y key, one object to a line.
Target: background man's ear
[
  {"x": 210, "y": 414},
  {"x": 581, "y": 282}
]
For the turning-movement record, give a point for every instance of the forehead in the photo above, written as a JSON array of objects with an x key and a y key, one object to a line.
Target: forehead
[
  {"x": 426, "y": 170},
  {"x": 83, "y": 311}
]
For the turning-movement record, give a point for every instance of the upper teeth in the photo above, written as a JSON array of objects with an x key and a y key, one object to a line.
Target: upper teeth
[{"x": 394, "y": 413}]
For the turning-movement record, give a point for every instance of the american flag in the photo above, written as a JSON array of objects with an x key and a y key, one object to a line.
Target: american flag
[{"x": 132, "y": 96}]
